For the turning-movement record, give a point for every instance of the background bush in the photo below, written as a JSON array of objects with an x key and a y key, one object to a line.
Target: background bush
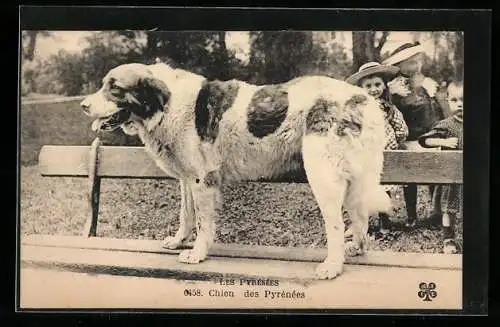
[{"x": 273, "y": 56}]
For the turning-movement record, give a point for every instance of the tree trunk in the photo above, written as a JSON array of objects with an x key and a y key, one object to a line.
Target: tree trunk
[
  {"x": 459, "y": 56},
  {"x": 151, "y": 46},
  {"x": 30, "y": 50},
  {"x": 268, "y": 72},
  {"x": 364, "y": 49},
  {"x": 436, "y": 36},
  {"x": 223, "y": 56},
  {"x": 222, "y": 41},
  {"x": 381, "y": 42}
]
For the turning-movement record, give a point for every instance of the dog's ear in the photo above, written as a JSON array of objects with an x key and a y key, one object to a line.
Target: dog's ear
[
  {"x": 156, "y": 88},
  {"x": 153, "y": 94}
]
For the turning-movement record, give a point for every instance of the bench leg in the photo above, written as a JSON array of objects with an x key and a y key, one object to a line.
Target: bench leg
[{"x": 90, "y": 228}]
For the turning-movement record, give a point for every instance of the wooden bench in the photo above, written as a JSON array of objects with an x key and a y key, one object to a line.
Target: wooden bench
[
  {"x": 100, "y": 162},
  {"x": 97, "y": 162}
]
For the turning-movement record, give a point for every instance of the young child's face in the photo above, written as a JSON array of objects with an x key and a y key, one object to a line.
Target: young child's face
[
  {"x": 374, "y": 85},
  {"x": 455, "y": 97}
]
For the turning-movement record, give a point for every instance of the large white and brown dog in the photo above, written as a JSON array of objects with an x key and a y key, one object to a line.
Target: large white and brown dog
[{"x": 206, "y": 133}]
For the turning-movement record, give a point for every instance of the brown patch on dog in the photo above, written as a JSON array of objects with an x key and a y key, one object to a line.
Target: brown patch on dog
[
  {"x": 214, "y": 98},
  {"x": 356, "y": 100},
  {"x": 267, "y": 110},
  {"x": 321, "y": 117},
  {"x": 325, "y": 114},
  {"x": 213, "y": 178},
  {"x": 352, "y": 116}
]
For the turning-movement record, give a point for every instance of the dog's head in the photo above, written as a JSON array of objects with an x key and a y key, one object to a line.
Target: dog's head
[{"x": 129, "y": 92}]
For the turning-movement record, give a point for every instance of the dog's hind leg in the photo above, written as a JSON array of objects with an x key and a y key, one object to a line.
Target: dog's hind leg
[
  {"x": 358, "y": 212},
  {"x": 328, "y": 183},
  {"x": 207, "y": 197},
  {"x": 186, "y": 219},
  {"x": 365, "y": 196}
]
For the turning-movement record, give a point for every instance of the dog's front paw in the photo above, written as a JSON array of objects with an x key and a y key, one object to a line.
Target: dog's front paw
[
  {"x": 329, "y": 269},
  {"x": 172, "y": 242},
  {"x": 191, "y": 256},
  {"x": 353, "y": 249}
]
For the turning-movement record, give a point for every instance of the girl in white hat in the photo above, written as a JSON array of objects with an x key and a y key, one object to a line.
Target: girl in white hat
[{"x": 373, "y": 77}]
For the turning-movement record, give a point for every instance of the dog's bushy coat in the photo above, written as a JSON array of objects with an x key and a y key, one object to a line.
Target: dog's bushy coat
[{"x": 213, "y": 132}]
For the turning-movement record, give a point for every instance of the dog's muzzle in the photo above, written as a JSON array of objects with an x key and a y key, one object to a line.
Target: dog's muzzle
[
  {"x": 106, "y": 119},
  {"x": 112, "y": 122}
]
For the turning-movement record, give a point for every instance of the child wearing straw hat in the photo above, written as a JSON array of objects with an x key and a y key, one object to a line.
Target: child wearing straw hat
[{"x": 373, "y": 77}]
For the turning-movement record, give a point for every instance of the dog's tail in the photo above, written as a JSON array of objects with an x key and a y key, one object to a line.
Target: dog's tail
[{"x": 378, "y": 201}]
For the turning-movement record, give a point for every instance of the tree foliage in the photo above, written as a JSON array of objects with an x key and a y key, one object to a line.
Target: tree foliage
[
  {"x": 279, "y": 56},
  {"x": 447, "y": 61},
  {"x": 272, "y": 57},
  {"x": 201, "y": 52}
]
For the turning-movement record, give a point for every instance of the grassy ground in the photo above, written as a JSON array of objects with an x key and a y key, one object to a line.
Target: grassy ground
[
  {"x": 149, "y": 209},
  {"x": 58, "y": 124}
]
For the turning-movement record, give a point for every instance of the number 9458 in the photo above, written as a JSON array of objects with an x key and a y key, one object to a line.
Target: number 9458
[{"x": 192, "y": 292}]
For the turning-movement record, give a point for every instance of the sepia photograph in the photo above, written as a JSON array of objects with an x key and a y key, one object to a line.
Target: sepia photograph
[{"x": 230, "y": 169}]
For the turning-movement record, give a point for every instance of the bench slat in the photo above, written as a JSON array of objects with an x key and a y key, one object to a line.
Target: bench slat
[
  {"x": 400, "y": 167},
  {"x": 114, "y": 161}
]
